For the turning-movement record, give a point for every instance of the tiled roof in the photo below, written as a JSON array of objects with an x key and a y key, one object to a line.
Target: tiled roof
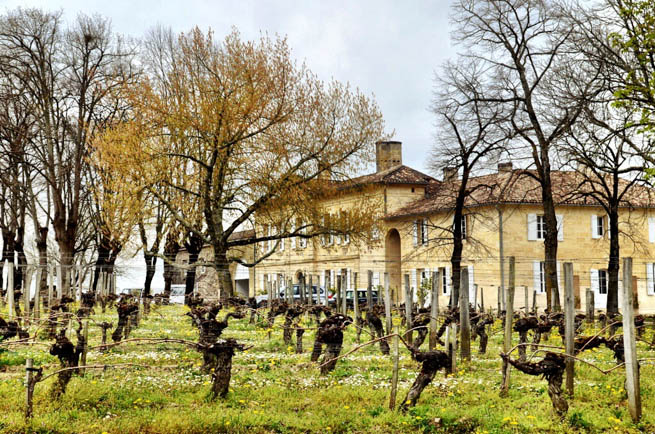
[
  {"x": 518, "y": 187},
  {"x": 395, "y": 175},
  {"x": 250, "y": 233}
]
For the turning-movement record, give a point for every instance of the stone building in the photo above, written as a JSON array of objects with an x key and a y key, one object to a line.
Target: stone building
[{"x": 412, "y": 236}]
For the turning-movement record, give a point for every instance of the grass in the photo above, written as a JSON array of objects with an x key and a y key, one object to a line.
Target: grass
[{"x": 274, "y": 390}]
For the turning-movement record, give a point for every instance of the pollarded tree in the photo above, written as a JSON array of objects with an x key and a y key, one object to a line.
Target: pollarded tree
[
  {"x": 248, "y": 137},
  {"x": 68, "y": 72}
]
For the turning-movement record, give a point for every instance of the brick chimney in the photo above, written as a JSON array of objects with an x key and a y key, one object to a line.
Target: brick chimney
[
  {"x": 505, "y": 167},
  {"x": 388, "y": 155},
  {"x": 449, "y": 174}
]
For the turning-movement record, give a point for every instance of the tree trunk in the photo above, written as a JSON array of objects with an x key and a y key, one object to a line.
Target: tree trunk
[
  {"x": 193, "y": 246},
  {"x": 613, "y": 265},
  {"x": 21, "y": 262},
  {"x": 550, "y": 243},
  {"x": 222, "y": 268},
  {"x": 458, "y": 241},
  {"x": 66, "y": 252},
  {"x": 171, "y": 249},
  {"x": 42, "y": 248},
  {"x": 100, "y": 265},
  {"x": 151, "y": 262}
]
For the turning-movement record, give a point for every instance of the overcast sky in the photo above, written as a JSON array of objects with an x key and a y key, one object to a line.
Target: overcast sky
[{"x": 390, "y": 49}]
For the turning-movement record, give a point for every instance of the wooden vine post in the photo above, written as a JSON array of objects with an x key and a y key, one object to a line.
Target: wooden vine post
[
  {"x": 394, "y": 373},
  {"x": 50, "y": 285},
  {"x": 387, "y": 303},
  {"x": 408, "y": 310},
  {"x": 507, "y": 343},
  {"x": 344, "y": 290},
  {"x": 569, "y": 326},
  {"x": 26, "y": 293},
  {"x": 434, "y": 309},
  {"x": 589, "y": 298},
  {"x": 369, "y": 291},
  {"x": 37, "y": 295},
  {"x": 356, "y": 303},
  {"x": 475, "y": 297},
  {"x": 85, "y": 349},
  {"x": 629, "y": 343},
  {"x": 527, "y": 300},
  {"x": 464, "y": 320},
  {"x": 10, "y": 290}
]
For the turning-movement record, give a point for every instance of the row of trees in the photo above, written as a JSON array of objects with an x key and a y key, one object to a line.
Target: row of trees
[
  {"x": 178, "y": 141},
  {"x": 556, "y": 85}
]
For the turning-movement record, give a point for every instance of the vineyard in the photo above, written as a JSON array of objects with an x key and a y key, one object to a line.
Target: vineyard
[{"x": 157, "y": 376}]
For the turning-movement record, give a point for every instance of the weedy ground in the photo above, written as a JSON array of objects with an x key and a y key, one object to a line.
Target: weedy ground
[{"x": 275, "y": 390}]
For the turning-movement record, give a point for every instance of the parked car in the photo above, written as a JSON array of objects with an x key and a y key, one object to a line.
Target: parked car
[
  {"x": 318, "y": 295},
  {"x": 361, "y": 296},
  {"x": 177, "y": 294}
]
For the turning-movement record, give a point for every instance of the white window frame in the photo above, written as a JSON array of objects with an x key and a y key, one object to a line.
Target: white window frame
[
  {"x": 424, "y": 231},
  {"x": 650, "y": 281},
  {"x": 602, "y": 282},
  {"x": 540, "y": 229},
  {"x": 415, "y": 232}
]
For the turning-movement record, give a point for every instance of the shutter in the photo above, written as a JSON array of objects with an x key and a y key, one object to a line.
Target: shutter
[
  {"x": 593, "y": 279},
  {"x": 560, "y": 227},
  {"x": 270, "y": 242},
  {"x": 425, "y": 232},
  {"x": 649, "y": 278},
  {"x": 349, "y": 276},
  {"x": 559, "y": 276},
  {"x": 262, "y": 284},
  {"x": 651, "y": 229},
  {"x": 376, "y": 279},
  {"x": 532, "y": 227},
  {"x": 471, "y": 283},
  {"x": 449, "y": 282},
  {"x": 415, "y": 232},
  {"x": 332, "y": 280},
  {"x": 413, "y": 279},
  {"x": 594, "y": 226},
  {"x": 536, "y": 270}
]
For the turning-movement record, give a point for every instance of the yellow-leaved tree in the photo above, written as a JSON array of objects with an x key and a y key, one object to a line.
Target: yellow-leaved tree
[{"x": 235, "y": 135}]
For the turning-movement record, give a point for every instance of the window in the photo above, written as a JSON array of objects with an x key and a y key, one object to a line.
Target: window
[
  {"x": 464, "y": 228},
  {"x": 420, "y": 232},
  {"x": 602, "y": 281},
  {"x": 375, "y": 233},
  {"x": 600, "y": 226},
  {"x": 424, "y": 231},
  {"x": 444, "y": 281},
  {"x": 542, "y": 277},
  {"x": 541, "y": 227}
]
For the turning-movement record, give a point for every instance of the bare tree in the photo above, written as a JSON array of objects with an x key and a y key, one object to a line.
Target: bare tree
[
  {"x": 68, "y": 73},
  {"x": 468, "y": 136},
  {"x": 610, "y": 172},
  {"x": 530, "y": 67}
]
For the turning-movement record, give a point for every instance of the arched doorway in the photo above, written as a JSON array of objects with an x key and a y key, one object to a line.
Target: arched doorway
[{"x": 392, "y": 261}]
